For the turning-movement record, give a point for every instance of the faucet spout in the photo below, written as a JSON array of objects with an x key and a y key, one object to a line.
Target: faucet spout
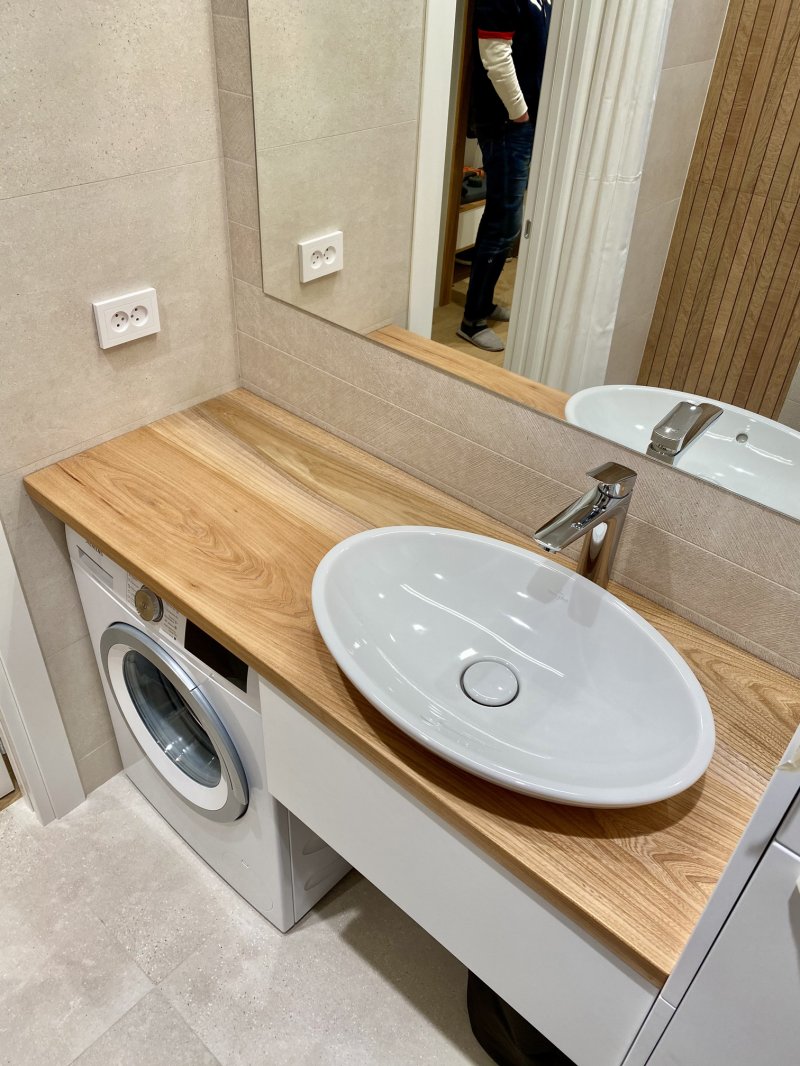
[
  {"x": 597, "y": 516},
  {"x": 679, "y": 427}
]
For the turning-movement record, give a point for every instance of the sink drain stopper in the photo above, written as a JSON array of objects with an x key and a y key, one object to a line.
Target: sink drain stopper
[{"x": 490, "y": 683}]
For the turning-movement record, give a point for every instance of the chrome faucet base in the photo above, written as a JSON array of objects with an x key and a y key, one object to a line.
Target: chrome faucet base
[{"x": 598, "y": 516}]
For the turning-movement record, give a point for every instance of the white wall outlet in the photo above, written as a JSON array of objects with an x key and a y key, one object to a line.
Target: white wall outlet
[
  {"x": 321, "y": 256},
  {"x": 125, "y": 318}
]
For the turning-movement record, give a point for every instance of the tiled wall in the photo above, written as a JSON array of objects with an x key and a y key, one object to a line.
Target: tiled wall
[
  {"x": 726, "y": 563},
  {"x": 336, "y": 147},
  {"x": 790, "y": 414},
  {"x": 694, "y": 33},
  {"x": 113, "y": 185}
]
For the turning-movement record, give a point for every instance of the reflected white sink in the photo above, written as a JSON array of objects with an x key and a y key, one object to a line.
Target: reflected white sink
[
  {"x": 741, "y": 451},
  {"x": 607, "y": 713}
]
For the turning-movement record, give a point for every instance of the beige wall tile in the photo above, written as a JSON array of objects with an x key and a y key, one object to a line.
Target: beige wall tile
[
  {"x": 684, "y": 574},
  {"x": 99, "y": 765},
  {"x": 234, "y": 8},
  {"x": 361, "y": 183},
  {"x": 760, "y": 650},
  {"x": 113, "y": 180},
  {"x": 90, "y": 92},
  {"x": 232, "y": 49},
  {"x": 790, "y": 415},
  {"x": 627, "y": 348},
  {"x": 245, "y": 253},
  {"x": 694, "y": 31},
  {"x": 57, "y": 610},
  {"x": 325, "y": 399},
  {"x": 76, "y": 683},
  {"x": 241, "y": 183},
  {"x": 652, "y": 231},
  {"x": 679, "y": 105},
  {"x": 167, "y": 229},
  {"x": 354, "y": 69},
  {"x": 794, "y": 388},
  {"x": 36, "y": 538},
  {"x": 238, "y": 136}
]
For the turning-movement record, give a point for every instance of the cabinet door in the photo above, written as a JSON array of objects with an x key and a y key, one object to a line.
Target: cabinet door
[{"x": 743, "y": 1008}]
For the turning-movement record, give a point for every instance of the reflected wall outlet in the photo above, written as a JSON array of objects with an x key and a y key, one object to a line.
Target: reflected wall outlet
[
  {"x": 124, "y": 318},
  {"x": 321, "y": 256}
]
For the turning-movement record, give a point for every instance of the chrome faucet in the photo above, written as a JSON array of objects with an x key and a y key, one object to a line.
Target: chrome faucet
[
  {"x": 679, "y": 428},
  {"x": 598, "y": 516}
]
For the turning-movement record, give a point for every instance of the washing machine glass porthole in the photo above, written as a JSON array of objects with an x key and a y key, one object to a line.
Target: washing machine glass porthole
[{"x": 170, "y": 721}]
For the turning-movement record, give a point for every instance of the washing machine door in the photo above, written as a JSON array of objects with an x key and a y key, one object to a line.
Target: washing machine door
[{"x": 174, "y": 723}]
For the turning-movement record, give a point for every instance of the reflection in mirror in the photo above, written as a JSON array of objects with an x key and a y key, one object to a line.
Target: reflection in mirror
[{"x": 377, "y": 210}]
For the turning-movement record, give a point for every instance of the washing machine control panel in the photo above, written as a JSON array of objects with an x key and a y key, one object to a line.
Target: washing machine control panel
[
  {"x": 152, "y": 608},
  {"x": 149, "y": 606}
]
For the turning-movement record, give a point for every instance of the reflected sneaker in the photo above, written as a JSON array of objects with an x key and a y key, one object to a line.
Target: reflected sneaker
[
  {"x": 481, "y": 336},
  {"x": 500, "y": 314}
]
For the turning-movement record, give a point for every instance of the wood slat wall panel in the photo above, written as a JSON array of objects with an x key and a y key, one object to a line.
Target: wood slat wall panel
[{"x": 727, "y": 318}]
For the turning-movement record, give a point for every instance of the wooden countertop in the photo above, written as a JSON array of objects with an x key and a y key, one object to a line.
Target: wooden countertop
[
  {"x": 226, "y": 510},
  {"x": 465, "y": 367}
]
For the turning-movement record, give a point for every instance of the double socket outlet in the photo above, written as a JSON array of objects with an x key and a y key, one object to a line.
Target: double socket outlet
[
  {"x": 126, "y": 318},
  {"x": 321, "y": 255}
]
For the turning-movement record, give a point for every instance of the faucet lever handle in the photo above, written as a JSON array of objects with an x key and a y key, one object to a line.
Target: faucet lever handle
[
  {"x": 614, "y": 479},
  {"x": 679, "y": 427}
]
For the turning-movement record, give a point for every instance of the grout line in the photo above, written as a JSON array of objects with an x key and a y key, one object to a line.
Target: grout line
[
  {"x": 113, "y": 177},
  {"x": 332, "y": 136},
  {"x": 114, "y": 431}
]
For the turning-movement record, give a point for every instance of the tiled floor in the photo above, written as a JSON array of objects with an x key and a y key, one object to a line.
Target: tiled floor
[{"x": 119, "y": 947}]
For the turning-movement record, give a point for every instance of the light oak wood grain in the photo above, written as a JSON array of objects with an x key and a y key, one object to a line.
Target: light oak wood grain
[
  {"x": 505, "y": 383},
  {"x": 226, "y": 510}
]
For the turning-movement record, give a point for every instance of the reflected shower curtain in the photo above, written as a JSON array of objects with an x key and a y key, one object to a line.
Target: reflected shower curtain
[{"x": 609, "y": 128}]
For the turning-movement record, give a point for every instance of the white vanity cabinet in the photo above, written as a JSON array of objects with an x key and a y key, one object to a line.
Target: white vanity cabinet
[
  {"x": 743, "y": 1007},
  {"x": 581, "y": 995},
  {"x": 736, "y": 987}
]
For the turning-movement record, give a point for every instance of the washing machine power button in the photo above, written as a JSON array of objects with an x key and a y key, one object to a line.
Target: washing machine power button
[{"x": 149, "y": 606}]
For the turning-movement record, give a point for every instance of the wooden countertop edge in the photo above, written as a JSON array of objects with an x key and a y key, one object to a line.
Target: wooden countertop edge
[
  {"x": 495, "y": 379},
  {"x": 421, "y": 773}
]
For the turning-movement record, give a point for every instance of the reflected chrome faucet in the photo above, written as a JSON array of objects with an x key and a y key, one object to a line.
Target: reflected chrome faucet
[
  {"x": 679, "y": 428},
  {"x": 598, "y": 516}
]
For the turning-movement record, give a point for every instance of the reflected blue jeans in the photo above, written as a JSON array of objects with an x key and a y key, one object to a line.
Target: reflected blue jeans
[{"x": 507, "y": 160}]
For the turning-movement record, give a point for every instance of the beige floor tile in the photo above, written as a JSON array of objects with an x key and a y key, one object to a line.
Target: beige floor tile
[
  {"x": 150, "y": 1034},
  {"x": 356, "y": 982},
  {"x": 138, "y": 877},
  {"x": 22, "y": 853},
  {"x": 64, "y": 978}
]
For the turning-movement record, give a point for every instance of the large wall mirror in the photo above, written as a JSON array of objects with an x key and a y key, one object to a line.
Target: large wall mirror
[{"x": 375, "y": 201}]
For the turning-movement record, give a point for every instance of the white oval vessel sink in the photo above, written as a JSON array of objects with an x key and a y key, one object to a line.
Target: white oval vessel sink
[
  {"x": 580, "y": 700},
  {"x": 742, "y": 451}
]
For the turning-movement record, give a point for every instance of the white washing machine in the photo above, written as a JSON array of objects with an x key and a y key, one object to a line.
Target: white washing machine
[{"x": 187, "y": 718}]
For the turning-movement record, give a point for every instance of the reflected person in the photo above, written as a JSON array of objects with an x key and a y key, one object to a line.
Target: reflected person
[{"x": 510, "y": 37}]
